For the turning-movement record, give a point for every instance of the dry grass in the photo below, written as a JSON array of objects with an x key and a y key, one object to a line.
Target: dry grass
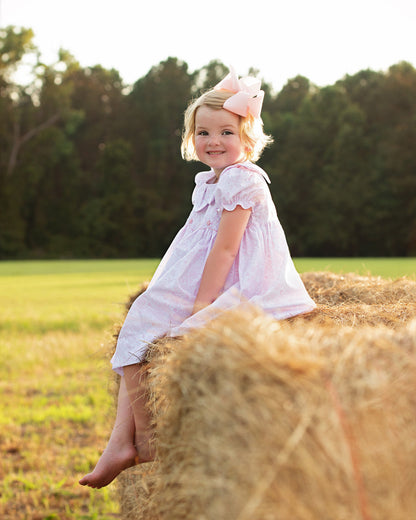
[
  {"x": 308, "y": 419},
  {"x": 360, "y": 300}
]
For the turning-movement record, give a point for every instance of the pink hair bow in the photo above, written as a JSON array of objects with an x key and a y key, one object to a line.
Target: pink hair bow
[{"x": 247, "y": 99}]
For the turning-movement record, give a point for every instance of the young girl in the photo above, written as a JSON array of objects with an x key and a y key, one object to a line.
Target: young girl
[{"x": 232, "y": 250}]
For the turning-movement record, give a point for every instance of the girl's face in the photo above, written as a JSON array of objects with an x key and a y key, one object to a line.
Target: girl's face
[{"x": 217, "y": 138}]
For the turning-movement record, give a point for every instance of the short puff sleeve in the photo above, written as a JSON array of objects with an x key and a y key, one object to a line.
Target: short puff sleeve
[{"x": 239, "y": 186}]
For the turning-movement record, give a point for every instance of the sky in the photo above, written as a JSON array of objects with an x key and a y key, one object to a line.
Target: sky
[{"x": 321, "y": 39}]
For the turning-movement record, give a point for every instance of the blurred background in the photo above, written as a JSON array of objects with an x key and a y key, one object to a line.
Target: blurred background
[{"x": 92, "y": 96}]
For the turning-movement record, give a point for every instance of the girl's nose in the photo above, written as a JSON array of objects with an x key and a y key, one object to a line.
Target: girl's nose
[{"x": 214, "y": 139}]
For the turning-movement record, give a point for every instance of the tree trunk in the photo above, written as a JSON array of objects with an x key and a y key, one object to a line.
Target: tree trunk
[{"x": 19, "y": 141}]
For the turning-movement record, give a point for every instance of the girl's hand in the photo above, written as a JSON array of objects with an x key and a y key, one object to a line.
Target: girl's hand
[{"x": 222, "y": 255}]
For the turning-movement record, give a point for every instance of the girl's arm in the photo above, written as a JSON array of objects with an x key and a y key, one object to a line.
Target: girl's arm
[{"x": 221, "y": 257}]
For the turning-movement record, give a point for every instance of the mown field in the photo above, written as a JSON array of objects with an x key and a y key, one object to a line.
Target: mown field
[{"x": 57, "y": 319}]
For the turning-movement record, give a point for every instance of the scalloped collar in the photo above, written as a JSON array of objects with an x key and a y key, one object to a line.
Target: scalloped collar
[
  {"x": 205, "y": 176},
  {"x": 204, "y": 192}
]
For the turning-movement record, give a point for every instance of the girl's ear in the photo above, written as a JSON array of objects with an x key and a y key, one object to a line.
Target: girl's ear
[{"x": 249, "y": 151}]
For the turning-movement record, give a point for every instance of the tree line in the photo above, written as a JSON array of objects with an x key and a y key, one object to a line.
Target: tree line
[{"x": 90, "y": 167}]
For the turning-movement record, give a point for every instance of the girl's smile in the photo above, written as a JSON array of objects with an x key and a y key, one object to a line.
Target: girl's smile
[{"x": 217, "y": 138}]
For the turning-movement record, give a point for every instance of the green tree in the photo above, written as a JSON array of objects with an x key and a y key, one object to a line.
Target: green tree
[
  {"x": 89, "y": 167},
  {"x": 153, "y": 126},
  {"x": 14, "y": 45},
  {"x": 109, "y": 223},
  {"x": 388, "y": 102},
  {"x": 208, "y": 76}
]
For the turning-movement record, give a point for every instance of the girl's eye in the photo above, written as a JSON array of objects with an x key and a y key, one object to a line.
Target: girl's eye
[
  {"x": 227, "y": 132},
  {"x": 203, "y": 132}
]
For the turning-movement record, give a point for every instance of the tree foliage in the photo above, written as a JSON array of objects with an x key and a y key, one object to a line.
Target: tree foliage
[{"x": 91, "y": 168}]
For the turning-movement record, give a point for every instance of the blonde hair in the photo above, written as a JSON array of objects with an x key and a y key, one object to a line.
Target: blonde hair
[{"x": 251, "y": 129}]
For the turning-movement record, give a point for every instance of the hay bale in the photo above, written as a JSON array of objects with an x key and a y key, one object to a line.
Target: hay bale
[
  {"x": 355, "y": 300},
  {"x": 305, "y": 419},
  {"x": 266, "y": 421},
  {"x": 334, "y": 289},
  {"x": 135, "y": 490}
]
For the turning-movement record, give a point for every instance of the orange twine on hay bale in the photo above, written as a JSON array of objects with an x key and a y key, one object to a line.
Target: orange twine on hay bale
[{"x": 305, "y": 419}]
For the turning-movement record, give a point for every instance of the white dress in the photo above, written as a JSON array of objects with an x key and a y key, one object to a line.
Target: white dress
[{"x": 263, "y": 273}]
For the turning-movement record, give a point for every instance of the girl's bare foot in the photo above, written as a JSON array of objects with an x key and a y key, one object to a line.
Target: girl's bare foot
[
  {"x": 131, "y": 439},
  {"x": 120, "y": 452},
  {"x": 111, "y": 463}
]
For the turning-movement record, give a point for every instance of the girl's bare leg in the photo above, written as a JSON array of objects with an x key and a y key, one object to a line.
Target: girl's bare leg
[
  {"x": 136, "y": 378},
  {"x": 120, "y": 452}
]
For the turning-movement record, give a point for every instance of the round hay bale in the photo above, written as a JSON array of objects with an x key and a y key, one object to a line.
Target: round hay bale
[
  {"x": 354, "y": 300},
  {"x": 335, "y": 289},
  {"x": 311, "y": 418},
  {"x": 135, "y": 489},
  {"x": 266, "y": 421}
]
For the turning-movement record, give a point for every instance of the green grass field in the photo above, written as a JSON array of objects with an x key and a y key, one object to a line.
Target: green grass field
[
  {"x": 385, "y": 267},
  {"x": 55, "y": 383},
  {"x": 57, "y": 319}
]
